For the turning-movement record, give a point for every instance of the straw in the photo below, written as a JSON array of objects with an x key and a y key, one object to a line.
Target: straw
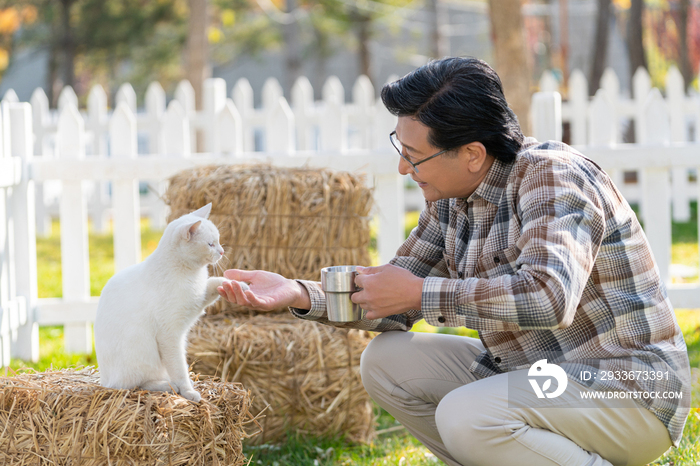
[
  {"x": 65, "y": 417},
  {"x": 291, "y": 221},
  {"x": 306, "y": 374}
]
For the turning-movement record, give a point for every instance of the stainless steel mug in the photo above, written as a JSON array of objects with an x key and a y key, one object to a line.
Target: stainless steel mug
[{"x": 338, "y": 283}]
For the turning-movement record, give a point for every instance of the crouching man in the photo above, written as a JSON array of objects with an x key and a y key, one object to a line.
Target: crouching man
[{"x": 579, "y": 359}]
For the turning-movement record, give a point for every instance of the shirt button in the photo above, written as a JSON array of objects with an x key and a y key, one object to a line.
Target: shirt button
[
  {"x": 497, "y": 360},
  {"x": 460, "y": 274},
  {"x": 441, "y": 319},
  {"x": 497, "y": 259}
]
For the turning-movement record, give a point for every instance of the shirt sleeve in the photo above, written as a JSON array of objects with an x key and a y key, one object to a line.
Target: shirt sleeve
[
  {"x": 319, "y": 314},
  {"x": 422, "y": 254},
  {"x": 562, "y": 227}
]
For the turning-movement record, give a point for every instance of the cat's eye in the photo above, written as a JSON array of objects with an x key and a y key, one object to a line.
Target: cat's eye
[{"x": 211, "y": 245}]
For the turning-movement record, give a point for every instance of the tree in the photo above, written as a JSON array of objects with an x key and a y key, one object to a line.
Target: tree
[
  {"x": 511, "y": 56},
  {"x": 306, "y": 29},
  {"x": 292, "y": 41},
  {"x": 11, "y": 19},
  {"x": 324, "y": 44},
  {"x": 273, "y": 29},
  {"x": 358, "y": 20},
  {"x": 600, "y": 47},
  {"x": 351, "y": 19},
  {"x": 635, "y": 39},
  {"x": 238, "y": 28},
  {"x": 68, "y": 43},
  {"x": 672, "y": 32},
  {"x": 197, "y": 67},
  {"x": 362, "y": 22},
  {"x": 684, "y": 64},
  {"x": 102, "y": 36},
  {"x": 439, "y": 40}
]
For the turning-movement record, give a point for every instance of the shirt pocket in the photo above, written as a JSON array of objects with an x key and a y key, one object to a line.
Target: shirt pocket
[{"x": 497, "y": 263}]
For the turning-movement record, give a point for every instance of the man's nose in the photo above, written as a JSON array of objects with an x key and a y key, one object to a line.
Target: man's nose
[{"x": 404, "y": 167}]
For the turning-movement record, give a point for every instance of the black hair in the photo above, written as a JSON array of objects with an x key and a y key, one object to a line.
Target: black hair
[{"x": 461, "y": 100}]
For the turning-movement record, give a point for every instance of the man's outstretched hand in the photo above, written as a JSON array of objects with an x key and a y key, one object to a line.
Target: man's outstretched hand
[{"x": 268, "y": 291}]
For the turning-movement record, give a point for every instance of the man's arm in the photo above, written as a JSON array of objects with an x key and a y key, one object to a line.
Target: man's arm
[
  {"x": 318, "y": 313},
  {"x": 421, "y": 254}
]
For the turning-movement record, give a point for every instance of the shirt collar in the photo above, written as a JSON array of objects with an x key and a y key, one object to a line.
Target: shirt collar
[
  {"x": 491, "y": 188},
  {"x": 496, "y": 179}
]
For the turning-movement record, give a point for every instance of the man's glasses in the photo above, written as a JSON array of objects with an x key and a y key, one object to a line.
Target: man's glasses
[{"x": 399, "y": 148}]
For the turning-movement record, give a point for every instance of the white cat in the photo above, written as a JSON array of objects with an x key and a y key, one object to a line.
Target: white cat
[{"x": 146, "y": 310}]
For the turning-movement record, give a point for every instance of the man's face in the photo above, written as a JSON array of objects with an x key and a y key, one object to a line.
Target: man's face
[{"x": 455, "y": 174}]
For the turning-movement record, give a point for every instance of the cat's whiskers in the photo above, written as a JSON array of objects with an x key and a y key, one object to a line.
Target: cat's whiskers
[
  {"x": 220, "y": 266},
  {"x": 217, "y": 266}
]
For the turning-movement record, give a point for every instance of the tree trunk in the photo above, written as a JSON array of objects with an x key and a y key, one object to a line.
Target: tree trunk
[
  {"x": 564, "y": 38},
  {"x": 635, "y": 39},
  {"x": 197, "y": 67},
  {"x": 683, "y": 56},
  {"x": 440, "y": 45},
  {"x": 322, "y": 51},
  {"x": 511, "y": 54},
  {"x": 292, "y": 49},
  {"x": 68, "y": 45},
  {"x": 363, "y": 36},
  {"x": 600, "y": 48},
  {"x": 52, "y": 77}
]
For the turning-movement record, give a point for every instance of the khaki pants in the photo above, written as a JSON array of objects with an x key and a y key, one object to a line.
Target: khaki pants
[{"x": 424, "y": 381}]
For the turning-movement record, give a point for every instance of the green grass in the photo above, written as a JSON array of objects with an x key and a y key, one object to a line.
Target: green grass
[
  {"x": 52, "y": 353},
  {"x": 101, "y": 252},
  {"x": 389, "y": 448},
  {"x": 392, "y": 450},
  {"x": 688, "y": 452},
  {"x": 393, "y": 445},
  {"x": 686, "y": 232}
]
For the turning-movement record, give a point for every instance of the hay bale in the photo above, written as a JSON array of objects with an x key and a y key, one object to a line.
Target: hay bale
[
  {"x": 308, "y": 373},
  {"x": 291, "y": 221},
  {"x": 66, "y": 418}
]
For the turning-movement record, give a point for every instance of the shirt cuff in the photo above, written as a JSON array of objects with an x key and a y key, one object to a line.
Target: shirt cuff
[
  {"x": 318, "y": 302},
  {"x": 439, "y": 301}
]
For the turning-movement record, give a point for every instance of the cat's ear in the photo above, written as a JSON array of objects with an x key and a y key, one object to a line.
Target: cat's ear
[
  {"x": 203, "y": 212},
  {"x": 192, "y": 229}
]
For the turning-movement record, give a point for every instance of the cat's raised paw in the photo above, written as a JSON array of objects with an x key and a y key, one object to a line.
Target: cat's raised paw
[{"x": 244, "y": 285}]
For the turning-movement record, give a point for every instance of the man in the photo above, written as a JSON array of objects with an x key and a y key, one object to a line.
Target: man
[{"x": 532, "y": 245}]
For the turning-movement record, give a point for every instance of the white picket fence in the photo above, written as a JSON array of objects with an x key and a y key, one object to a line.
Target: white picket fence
[
  {"x": 312, "y": 134},
  {"x": 74, "y": 148},
  {"x": 317, "y": 127},
  {"x": 601, "y": 121}
]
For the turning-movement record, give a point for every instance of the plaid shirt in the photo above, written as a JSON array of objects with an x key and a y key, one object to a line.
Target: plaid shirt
[{"x": 546, "y": 260}]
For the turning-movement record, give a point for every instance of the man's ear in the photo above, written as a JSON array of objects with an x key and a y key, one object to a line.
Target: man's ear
[{"x": 476, "y": 155}]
